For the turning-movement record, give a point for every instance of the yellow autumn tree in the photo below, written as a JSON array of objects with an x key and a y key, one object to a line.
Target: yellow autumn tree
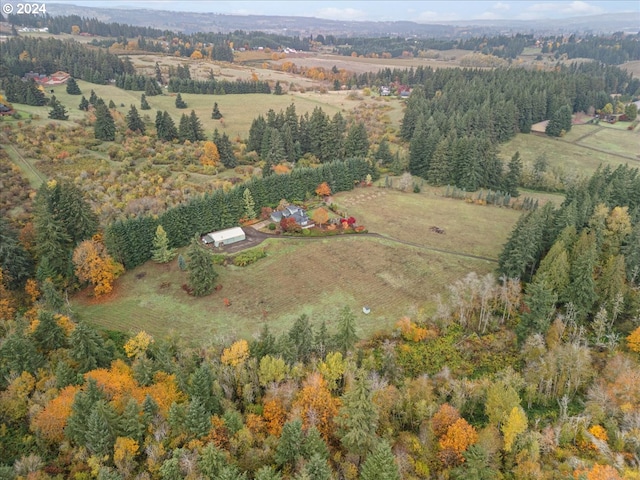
[
  {"x": 236, "y": 354},
  {"x": 94, "y": 265},
  {"x": 210, "y": 157},
  {"x": 196, "y": 55},
  {"x": 514, "y": 426},
  {"x": 124, "y": 453},
  {"x": 137, "y": 346},
  {"x": 7, "y": 302},
  {"x": 633, "y": 340},
  {"x": 320, "y": 216},
  {"x": 323, "y": 190}
]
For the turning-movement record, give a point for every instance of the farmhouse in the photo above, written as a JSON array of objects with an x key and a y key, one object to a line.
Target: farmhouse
[
  {"x": 292, "y": 211},
  {"x": 224, "y": 237},
  {"x": 57, "y": 78}
]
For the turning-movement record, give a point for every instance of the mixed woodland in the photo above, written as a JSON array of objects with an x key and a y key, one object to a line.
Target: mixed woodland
[{"x": 532, "y": 372}]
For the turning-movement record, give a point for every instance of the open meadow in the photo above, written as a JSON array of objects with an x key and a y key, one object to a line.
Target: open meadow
[{"x": 400, "y": 273}]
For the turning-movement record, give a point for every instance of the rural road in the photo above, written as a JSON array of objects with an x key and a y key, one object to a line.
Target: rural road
[{"x": 255, "y": 237}]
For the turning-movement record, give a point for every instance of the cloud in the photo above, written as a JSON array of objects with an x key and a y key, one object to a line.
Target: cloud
[
  {"x": 501, "y": 6},
  {"x": 577, "y": 7},
  {"x": 490, "y": 16},
  {"x": 332, "y": 13}
]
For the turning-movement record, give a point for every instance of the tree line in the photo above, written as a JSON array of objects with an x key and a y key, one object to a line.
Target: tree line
[
  {"x": 217, "y": 87},
  {"x": 47, "y": 55}
]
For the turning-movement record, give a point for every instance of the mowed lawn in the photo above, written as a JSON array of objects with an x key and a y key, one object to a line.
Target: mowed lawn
[{"x": 318, "y": 277}]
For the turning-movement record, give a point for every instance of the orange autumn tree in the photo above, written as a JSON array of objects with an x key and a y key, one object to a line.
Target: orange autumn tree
[
  {"x": 94, "y": 265},
  {"x": 320, "y": 216},
  {"x": 50, "y": 422},
  {"x": 323, "y": 190},
  {"x": 633, "y": 340},
  {"x": 459, "y": 436},
  {"x": 315, "y": 405},
  {"x": 210, "y": 157}
]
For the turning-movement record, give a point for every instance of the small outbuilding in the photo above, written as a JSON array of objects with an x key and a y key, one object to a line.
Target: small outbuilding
[{"x": 224, "y": 237}]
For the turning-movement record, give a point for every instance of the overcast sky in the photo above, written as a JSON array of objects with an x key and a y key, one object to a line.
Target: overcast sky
[{"x": 378, "y": 10}]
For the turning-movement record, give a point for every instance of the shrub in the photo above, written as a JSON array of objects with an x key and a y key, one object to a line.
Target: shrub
[
  {"x": 249, "y": 257},
  {"x": 272, "y": 226}
]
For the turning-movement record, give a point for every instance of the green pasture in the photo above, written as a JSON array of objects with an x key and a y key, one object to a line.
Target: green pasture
[{"x": 396, "y": 274}]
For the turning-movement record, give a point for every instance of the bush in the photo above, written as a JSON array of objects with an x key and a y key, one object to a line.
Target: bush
[
  {"x": 272, "y": 226},
  {"x": 249, "y": 257}
]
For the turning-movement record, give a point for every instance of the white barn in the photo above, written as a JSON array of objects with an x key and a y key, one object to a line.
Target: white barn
[{"x": 224, "y": 237}]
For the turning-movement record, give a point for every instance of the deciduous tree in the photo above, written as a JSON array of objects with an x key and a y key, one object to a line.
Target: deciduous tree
[{"x": 94, "y": 265}]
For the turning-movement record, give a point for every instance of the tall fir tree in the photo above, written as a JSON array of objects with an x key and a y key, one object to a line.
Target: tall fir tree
[
  {"x": 215, "y": 114},
  {"x": 357, "y": 142},
  {"x": 134, "y": 122},
  {"x": 380, "y": 464},
  {"x": 180, "y": 103},
  {"x": 105, "y": 127},
  {"x": 144, "y": 104},
  {"x": 358, "y": 418},
  {"x": 72, "y": 87},
  {"x": 201, "y": 273},
  {"x": 346, "y": 337},
  {"x": 513, "y": 176},
  {"x": 57, "y": 110},
  {"x": 161, "y": 252}
]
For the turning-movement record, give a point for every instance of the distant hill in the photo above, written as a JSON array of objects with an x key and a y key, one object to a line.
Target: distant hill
[{"x": 190, "y": 22}]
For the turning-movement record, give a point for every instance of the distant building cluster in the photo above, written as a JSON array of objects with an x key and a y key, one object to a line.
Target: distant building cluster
[{"x": 58, "y": 78}]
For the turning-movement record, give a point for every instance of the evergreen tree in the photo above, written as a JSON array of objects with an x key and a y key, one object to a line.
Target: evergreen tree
[
  {"x": 48, "y": 335},
  {"x": 112, "y": 105},
  {"x": 19, "y": 354},
  {"x": 169, "y": 130},
  {"x": 134, "y": 122},
  {"x": 268, "y": 473},
  {"x": 560, "y": 122},
  {"x": 358, "y": 418},
  {"x": 380, "y": 465},
  {"x": 197, "y": 420},
  {"x": 161, "y": 252},
  {"x": 249, "y": 204},
  {"x": 202, "y": 275},
  {"x": 184, "y": 129},
  {"x": 72, "y": 87},
  {"x": 541, "y": 302},
  {"x": 512, "y": 179},
  {"x": 197, "y": 132},
  {"x": 88, "y": 348},
  {"x": 225, "y": 149},
  {"x": 84, "y": 104},
  {"x": 131, "y": 422},
  {"x": 102, "y": 431},
  {"x": 346, "y": 337},
  {"x": 357, "y": 141},
  {"x": 93, "y": 98},
  {"x": 314, "y": 445},
  {"x": 105, "y": 127},
  {"x": 440, "y": 172},
  {"x": 317, "y": 468},
  {"x": 83, "y": 404},
  {"x": 201, "y": 386},
  {"x": 35, "y": 96},
  {"x": 15, "y": 261},
  {"x": 383, "y": 154},
  {"x": 180, "y": 103},
  {"x": 256, "y": 132},
  {"x": 215, "y": 114},
  {"x": 212, "y": 461},
  {"x": 277, "y": 90},
  {"x": 301, "y": 338},
  {"x": 57, "y": 110},
  {"x": 581, "y": 289},
  {"x": 289, "y": 448},
  {"x": 144, "y": 104}
]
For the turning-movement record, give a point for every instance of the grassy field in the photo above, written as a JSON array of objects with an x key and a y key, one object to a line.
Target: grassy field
[
  {"x": 577, "y": 152},
  {"x": 238, "y": 110},
  {"x": 320, "y": 276}
]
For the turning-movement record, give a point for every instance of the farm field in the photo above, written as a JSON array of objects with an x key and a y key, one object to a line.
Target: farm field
[
  {"x": 578, "y": 152},
  {"x": 317, "y": 277}
]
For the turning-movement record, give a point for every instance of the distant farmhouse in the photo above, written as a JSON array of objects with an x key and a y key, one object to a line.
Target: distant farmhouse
[
  {"x": 295, "y": 212},
  {"x": 58, "y": 78},
  {"x": 224, "y": 237}
]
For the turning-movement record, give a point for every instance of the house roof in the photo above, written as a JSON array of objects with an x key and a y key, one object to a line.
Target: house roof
[{"x": 223, "y": 235}]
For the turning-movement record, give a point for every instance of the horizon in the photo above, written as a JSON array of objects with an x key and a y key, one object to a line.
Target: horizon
[{"x": 403, "y": 10}]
